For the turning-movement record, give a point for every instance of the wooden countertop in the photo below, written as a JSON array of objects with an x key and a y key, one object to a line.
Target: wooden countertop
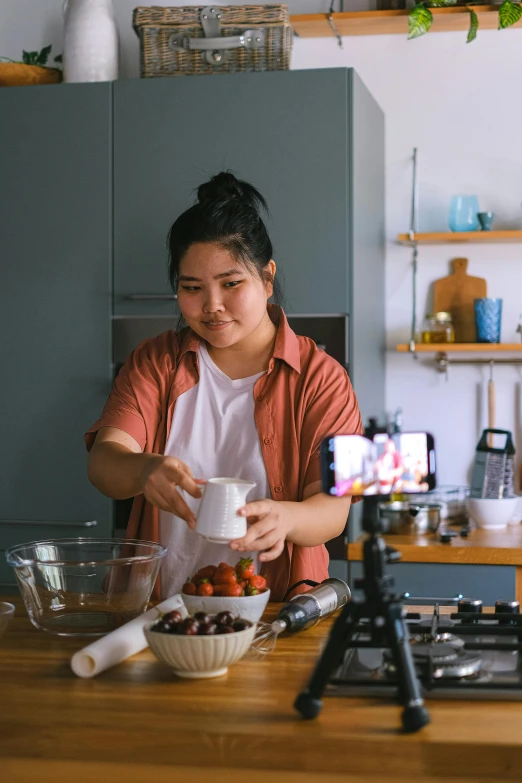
[
  {"x": 136, "y": 723},
  {"x": 481, "y": 547}
]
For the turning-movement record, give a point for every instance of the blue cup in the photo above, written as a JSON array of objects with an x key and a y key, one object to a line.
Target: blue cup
[
  {"x": 486, "y": 220},
  {"x": 463, "y": 213},
  {"x": 488, "y": 319}
]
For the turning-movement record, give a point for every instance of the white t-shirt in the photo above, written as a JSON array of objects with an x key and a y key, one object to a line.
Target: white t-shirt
[{"x": 213, "y": 431}]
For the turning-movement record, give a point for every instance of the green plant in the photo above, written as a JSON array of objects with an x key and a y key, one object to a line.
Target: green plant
[
  {"x": 36, "y": 58},
  {"x": 420, "y": 17}
]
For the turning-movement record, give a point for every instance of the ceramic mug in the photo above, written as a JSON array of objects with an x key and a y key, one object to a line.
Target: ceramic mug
[
  {"x": 486, "y": 220},
  {"x": 217, "y": 518}
]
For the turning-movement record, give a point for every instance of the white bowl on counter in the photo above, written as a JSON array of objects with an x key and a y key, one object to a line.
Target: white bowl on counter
[
  {"x": 198, "y": 657},
  {"x": 492, "y": 513},
  {"x": 248, "y": 607}
]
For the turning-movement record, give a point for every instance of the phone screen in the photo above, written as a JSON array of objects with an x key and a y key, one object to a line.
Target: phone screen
[{"x": 355, "y": 465}]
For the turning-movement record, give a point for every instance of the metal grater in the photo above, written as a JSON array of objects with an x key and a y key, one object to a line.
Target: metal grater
[{"x": 492, "y": 475}]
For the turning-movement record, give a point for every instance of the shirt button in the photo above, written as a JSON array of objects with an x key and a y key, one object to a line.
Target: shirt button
[
  {"x": 267, "y": 441},
  {"x": 278, "y": 488}
]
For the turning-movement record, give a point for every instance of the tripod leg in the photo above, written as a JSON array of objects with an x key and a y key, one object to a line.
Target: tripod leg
[
  {"x": 415, "y": 714},
  {"x": 309, "y": 703}
]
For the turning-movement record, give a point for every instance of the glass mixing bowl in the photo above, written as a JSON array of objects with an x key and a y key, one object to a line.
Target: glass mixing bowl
[{"x": 85, "y": 586}]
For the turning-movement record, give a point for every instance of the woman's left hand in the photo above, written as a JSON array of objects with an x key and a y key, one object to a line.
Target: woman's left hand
[{"x": 269, "y": 522}]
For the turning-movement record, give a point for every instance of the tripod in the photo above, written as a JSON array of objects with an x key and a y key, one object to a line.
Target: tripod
[{"x": 386, "y": 627}]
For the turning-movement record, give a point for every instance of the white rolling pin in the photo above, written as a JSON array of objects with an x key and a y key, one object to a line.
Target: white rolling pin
[{"x": 121, "y": 643}]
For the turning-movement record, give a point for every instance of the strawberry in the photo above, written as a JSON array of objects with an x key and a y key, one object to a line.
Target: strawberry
[
  {"x": 204, "y": 588},
  {"x": 257, "y": 581},
  {"x": 204, "y": 573},
  {"x": 189, "y": 588},
  {"x": 228, "y": 590},
  {"x": 251, "y": 590},
  {"x": 225, "y": 576},
  {"x": 245, "y": 568}
]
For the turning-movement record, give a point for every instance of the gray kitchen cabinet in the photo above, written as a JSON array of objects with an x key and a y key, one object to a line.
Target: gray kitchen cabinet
[
  {"x": 311, "y": 141},
  {"x": 55, "y": 306}
]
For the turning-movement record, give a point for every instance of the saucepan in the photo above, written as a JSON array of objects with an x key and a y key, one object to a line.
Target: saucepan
[{"x": 407, "y": 518}]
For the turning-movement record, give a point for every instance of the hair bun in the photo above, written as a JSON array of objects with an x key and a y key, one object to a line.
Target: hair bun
[{"x": 225, "y": 187}]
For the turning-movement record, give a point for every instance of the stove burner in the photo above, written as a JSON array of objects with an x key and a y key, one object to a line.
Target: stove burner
[
  {"x": 440, "y": 638},
  {"x": 438, "y": 652},
  {"x": 428, "y": 624},
  {"x": 438, "y": 659}
]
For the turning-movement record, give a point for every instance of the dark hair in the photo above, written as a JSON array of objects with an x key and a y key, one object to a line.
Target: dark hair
[{"x": 227, "y": 213}]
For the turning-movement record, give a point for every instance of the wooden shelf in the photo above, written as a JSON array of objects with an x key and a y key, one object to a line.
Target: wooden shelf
[
  {"x": 461, "y": 347},
  {"x": 459, "y": 237},
  {"x": 392, "y": 22}
]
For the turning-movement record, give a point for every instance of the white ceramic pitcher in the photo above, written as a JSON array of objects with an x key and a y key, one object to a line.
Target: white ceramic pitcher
[
  {"x": 217, "y": 518},
  {"x": 90, "y": 41}
]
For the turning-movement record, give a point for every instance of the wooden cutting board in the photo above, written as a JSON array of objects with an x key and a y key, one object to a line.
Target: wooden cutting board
[{"x": 455, "y": 294}]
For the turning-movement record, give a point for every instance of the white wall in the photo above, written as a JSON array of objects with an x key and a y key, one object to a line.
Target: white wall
[{"x": 460, "y": 105}]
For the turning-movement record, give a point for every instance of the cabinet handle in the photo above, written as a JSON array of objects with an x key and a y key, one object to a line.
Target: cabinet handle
[
  {"x": 151, "y": 297},
  {"x": 41, "y": 523}
]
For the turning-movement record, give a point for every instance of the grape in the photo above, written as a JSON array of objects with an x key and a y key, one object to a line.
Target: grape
[
  {"x": 203, "y": 617},
  {"x": 161, "y": 627},
  {"x": 225, "y": 618},
  {"x": 241, "y": 625},
  {"x": 172, "y": 618},
  {"x": 207, "y": 629},
  {"x": 190, "y": 627}
]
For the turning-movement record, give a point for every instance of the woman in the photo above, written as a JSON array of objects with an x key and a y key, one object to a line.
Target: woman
[{"x": 237, "y": 393}]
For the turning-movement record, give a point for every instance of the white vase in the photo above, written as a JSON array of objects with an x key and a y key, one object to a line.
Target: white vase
[{"x": 90, "y": 46}]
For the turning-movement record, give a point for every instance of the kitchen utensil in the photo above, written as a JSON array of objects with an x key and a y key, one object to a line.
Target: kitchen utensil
[
  {"x": 493, "y": 470},
  {"x": 486, "y": 220},
  {"x": 217, "y": 518},
  {"x": 85, "y": 586},
  {"x": 248, "y": 607},
  {"x": 492, "y": 513},
  {"x": 197, "y": 657},
  {"x": 302, "y": 612},
  {"x": 6, "y": 615},
  {"x": 463, "y": 213},
  {"x": 456, "y": 294},
  {"x": 452, "y": 499},
  {"x": 491, "y": 401},
  {"x": 121, "y": 643},
  {"x": 488, "y": 319},
  {"x": 408, "y": 518}
]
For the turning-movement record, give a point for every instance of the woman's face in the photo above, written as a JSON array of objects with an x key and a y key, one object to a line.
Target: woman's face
[{"x": 220, "y": 298}]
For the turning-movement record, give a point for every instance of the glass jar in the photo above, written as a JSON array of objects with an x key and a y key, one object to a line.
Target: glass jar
[{"x": 438, "y": 328}]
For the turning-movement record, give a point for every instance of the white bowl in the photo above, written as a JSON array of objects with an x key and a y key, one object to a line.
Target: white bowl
[
  {"x": 491, "y": 513},
  {"x": 248, "y": 607},
  {"x": 516, "y": 519},
  {"x": 197, "y": 657}
]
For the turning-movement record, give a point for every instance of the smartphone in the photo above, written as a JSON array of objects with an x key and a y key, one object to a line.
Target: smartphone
[{"x": 355, "y": 465}]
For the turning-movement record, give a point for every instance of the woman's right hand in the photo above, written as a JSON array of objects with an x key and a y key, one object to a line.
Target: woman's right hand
[{"x": 159, "y": 478}]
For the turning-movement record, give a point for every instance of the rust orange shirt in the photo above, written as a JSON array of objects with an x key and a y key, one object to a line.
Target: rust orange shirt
[{"x": 304, "y": 396}]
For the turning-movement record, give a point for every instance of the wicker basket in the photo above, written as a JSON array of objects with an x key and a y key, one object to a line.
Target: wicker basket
[{"x": 208, "y": 39}]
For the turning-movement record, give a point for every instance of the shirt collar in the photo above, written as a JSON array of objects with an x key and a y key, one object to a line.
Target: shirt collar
[{"x": 286, "y": 344}]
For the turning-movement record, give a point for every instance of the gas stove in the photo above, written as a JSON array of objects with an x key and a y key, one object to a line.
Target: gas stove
[{"x": 464, "y": 655}]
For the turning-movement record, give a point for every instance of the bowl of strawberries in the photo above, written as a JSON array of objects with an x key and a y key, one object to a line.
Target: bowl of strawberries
[{"x": 237, "y": 589}]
